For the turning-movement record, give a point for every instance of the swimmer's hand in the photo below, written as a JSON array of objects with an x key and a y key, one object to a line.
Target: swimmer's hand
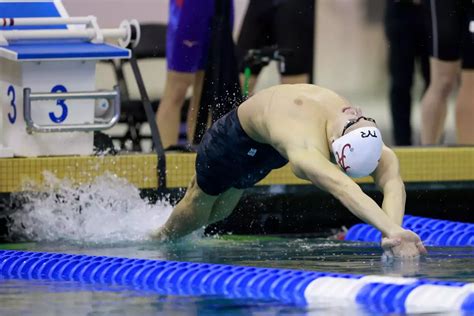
[{"x": 403, "y": 244}]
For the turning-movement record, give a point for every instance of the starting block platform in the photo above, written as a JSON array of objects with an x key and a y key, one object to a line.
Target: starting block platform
[
  {"x": 61, "y": 50},
  {"x": 50, "y": 104}
]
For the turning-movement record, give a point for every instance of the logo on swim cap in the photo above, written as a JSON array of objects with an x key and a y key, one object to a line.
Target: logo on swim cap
[{"x": 358, "y": 152}]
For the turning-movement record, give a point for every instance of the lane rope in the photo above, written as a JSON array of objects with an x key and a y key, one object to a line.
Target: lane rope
[
  {"x": 433, "y": 232},
  {"x": 380, "y": 293}
]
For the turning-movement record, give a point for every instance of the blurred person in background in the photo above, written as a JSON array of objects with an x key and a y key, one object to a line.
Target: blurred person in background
[
  {"x": 451, "y": 38},
  {"x": 407, "y": 46},
  {"x": 285, "y": 24},
  {"x": 187, "y": 43}
]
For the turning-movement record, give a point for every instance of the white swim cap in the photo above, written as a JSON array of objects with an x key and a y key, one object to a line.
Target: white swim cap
[{"x": 358, "y": 152}]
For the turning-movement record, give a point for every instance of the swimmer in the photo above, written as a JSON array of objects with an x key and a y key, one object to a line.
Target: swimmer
[{"x": 303, "y": 125}]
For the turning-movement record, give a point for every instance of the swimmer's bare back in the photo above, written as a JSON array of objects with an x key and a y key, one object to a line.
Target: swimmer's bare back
[{"x": 288, "y": 116}]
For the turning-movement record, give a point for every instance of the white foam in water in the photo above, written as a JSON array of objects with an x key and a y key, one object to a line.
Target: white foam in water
[{"x": 107, "y": 211}]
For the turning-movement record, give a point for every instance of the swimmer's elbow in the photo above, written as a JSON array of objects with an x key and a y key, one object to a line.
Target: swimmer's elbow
[
  {"x": 347, "y": 191},
  {"x": 394, "y": 187}
]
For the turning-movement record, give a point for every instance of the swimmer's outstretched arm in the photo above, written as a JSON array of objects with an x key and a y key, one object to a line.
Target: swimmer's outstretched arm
[
  {"x": 313, "y": 166},
  {"x": 388, "y": 180}
]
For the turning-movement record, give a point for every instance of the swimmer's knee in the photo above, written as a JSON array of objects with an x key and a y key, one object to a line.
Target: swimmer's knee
[{"x": 225, "y": 205}]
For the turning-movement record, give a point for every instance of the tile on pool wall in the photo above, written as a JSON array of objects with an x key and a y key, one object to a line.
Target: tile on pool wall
[{"x": 417, "y": 165}]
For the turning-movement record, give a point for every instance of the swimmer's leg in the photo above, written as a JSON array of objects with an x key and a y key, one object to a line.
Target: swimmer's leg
[
  {"x": 225, "y": 204},
  {"x": 190, "y": 214}
]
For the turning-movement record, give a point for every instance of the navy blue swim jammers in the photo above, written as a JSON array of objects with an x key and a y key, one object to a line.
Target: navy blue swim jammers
[{"x": 229, "y": 158}]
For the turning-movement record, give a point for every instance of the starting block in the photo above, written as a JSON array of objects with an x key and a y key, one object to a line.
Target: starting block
[{"x": 49, "y": 101}]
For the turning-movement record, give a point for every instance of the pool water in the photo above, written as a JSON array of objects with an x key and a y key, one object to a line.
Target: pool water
[
  {"x": 109, "y": 218},
  {"x": 18, "y": 297}
]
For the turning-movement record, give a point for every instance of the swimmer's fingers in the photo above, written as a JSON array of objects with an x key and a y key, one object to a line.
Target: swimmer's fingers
[
  {"x": 389, "y": 246},
  {"x": 389, "y": 243},
  {"x": 409, "y": 252},
  {"x": 403, "y": 249},
  {"x": 421, "y": 248},
  {"x": 410, "y": 244},
  {"x": 406, "y": 251}
]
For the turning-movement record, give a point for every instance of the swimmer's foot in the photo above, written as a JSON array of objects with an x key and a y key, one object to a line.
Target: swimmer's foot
[{"x": 160, "y": 235}]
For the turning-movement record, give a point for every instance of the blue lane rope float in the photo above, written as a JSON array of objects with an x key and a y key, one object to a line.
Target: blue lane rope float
[
  {"x": 380, "y": 293},
  {"x": 433, "y": 232}
]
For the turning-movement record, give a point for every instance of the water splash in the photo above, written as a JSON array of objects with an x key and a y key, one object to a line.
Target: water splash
[{"x": 109, "y": 210}]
